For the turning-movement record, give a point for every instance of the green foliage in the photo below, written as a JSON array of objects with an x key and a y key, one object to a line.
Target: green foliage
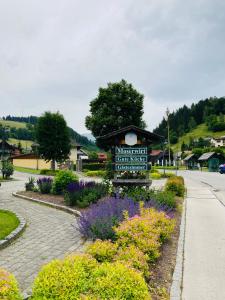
[
  {"x": 65, "y": 279},
  {"x": 117, "y": 281},
  {"x": 103, "y": 251},
  {"x": 94, "y": 166},
  {"x": 49, "y": 172},
  {"x": 176, "y": 185},
  {"x": 8, "y": 286},
  {"x": 81, "y": 277},
  {"x": 147, "y": 231},
  {"x": 8, "y": 222},
  {"x": 163, "y": 198},
  {"x": 7, "y": 169},
  {"x": 133, "y": 257},
  {"x": 61, "y": 181},
  {"x": 99, "y": 173},
  {"x": 53, "y": 137},
  {"x": 29, "y": 186},
  {"x": 155, "y": 175},
  {"x": 116, "y": 106}
]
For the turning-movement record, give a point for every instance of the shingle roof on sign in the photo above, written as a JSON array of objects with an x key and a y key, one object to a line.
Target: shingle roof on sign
[{"x": 206, "y": 156}]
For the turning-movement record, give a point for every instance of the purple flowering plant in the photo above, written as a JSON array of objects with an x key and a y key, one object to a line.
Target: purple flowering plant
[
  {"x": 45, "y": 185},
  {"x": 99, "y": 219}
]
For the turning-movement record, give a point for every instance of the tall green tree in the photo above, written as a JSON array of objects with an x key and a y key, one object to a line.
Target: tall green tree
[
  {"x": 116, "y": 106},
  {"x": 53, "y": 137}
]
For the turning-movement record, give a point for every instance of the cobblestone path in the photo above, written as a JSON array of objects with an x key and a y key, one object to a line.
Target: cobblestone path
[{"x": 49, "y": 234}]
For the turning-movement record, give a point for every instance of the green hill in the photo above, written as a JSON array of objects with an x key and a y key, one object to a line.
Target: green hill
[
  {"x": 12, "y": 124},
  {"x": 201, "y": 131},
  {"x": 22, "y": 130}
]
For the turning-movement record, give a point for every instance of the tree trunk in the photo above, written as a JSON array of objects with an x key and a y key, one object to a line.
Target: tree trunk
[{"x": 53, "y": 165}]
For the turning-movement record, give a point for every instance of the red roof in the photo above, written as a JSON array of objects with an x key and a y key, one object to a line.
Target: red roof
[{"x": 156, "y": 152}]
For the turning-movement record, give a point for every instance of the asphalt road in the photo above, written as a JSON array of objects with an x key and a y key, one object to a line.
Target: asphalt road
[{"x": 215, "y": 181}]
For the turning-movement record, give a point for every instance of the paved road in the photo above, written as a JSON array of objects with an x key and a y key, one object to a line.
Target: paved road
[
  {"x": 50, "y": 234},
  {"x": 204, "y": 254}
]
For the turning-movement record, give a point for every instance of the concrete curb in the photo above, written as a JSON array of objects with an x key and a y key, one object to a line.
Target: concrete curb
[
  {"x": 15, "y": 233},
  {"x": 176, "y": 287},
  {"x": 56, "y": 206}
]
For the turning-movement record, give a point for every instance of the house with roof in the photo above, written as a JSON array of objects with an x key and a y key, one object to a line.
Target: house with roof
[
  {"x": 211, "y": 160},
  {"x": 218, "y": 142},
  {"x": 159, "y": 157},
  {"x": 7, "y": 150},
  {"x": 191, "y": 162}
]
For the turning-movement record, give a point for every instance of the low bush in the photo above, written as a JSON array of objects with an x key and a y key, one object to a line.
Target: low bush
[
  {"x": 7, "y": 169},
  {"x": 156, "y": 176},
  {"x": 65, "y": 279},
  {"x": 146, "y": 231},
  {"x": 8, "y": 286},
  {"x": 103, "y": 251},
  {"x": 44, "y": 185},
  {"x": 167, "y": 175},
  {"x": 98, "y": 220},
  {"x": 99, "y": 173},
  {"x": 163, "y": 198},
  {"x": 49, "y": 172},
  {"x": 29, "y": 186},
  {"x": 83, "y": 193},
  {"x": 94, "y": 166},
  {"x": 61, "y": 181},
  {"x": 117, "y": 281},
  {"x": 134, "y": 258},
  {"x": 81, "y": 277},
  {"x": 175, "y": 184}
]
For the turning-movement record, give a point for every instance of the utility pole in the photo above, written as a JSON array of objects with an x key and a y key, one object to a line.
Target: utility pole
[{"x": 168, "y": 128}]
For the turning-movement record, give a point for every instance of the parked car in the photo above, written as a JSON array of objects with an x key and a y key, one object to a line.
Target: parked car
[{"x": 222, "y": 169}]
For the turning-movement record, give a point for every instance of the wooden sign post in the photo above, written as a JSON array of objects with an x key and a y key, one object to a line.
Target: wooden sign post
[{"x": 130, "y": 148}]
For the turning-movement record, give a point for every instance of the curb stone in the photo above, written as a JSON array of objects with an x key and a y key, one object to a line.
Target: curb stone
[
  {"x": 15, "y": 233},
  {"x": 176, "y": 287},
  {"x": 56, "y": 206}
]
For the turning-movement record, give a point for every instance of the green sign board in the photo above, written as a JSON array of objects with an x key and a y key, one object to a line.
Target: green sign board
[
  {"x": 131, "y": 158},
  {"x": 123, "y": 167}
]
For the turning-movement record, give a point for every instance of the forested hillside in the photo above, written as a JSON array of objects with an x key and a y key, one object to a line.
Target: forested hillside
[
  {"x": 23, "y": 128},
  {"x": 210, "y": 111}
]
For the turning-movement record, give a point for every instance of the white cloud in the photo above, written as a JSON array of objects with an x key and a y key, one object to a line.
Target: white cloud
[{"x": 54, "y": 55}]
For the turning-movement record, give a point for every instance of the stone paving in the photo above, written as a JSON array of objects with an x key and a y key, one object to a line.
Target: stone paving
[{"x": 50, "y": 234}]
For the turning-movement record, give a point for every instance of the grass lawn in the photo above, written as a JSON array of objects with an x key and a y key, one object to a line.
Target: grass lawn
[
  {"x": 26, "y": 170},
  {"x": 8, "y": 222},
  {"x": 199, "y": 131}
]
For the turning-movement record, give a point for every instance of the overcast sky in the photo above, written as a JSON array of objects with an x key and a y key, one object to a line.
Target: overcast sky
[{"x": 55, "y": 54}]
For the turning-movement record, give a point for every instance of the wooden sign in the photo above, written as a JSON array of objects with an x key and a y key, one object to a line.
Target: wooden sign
[{"x": 131, "y": 158}]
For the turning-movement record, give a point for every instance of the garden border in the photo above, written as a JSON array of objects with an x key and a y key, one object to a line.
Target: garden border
[
  {"x": 56, "y": 206},
  {"x": 177, "y": 281},
  {"x": 15, "y": 233}
]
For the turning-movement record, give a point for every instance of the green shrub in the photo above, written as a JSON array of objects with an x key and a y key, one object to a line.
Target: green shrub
[
  {"x": 147, "y": 231},
  {"x": 81, "y": 277},
  {"x": 134, "y": 258},
  {"x": 153, "y": 170},
  {"x": 167, "y": 175},
  {"x": 29, "y": 186},
  {"x": 61, "y": 181},
  {"x": 164, "y": 198},
  {"x": 94, "y": 166},
  {"x": 175, "y": 184},
  {"x": 8, "y": 286},
  {"x": 156, "y": 175},
  {"x": 48, "y": 172},
  {"x": 64, "y": 279},
  {"x": 7, "y": 169},
  {"x": 117, "y": 281},
  {"x": 99, "y": 173},
  {"x": 102, "y": 251}
]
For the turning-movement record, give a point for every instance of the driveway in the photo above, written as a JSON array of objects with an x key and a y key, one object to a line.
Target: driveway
[
  {"x": 204, "y": 253},
  {"x": 50, "y": 234}
]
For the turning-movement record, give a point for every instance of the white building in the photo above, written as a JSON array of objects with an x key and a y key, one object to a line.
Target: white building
[{"x": 218, "y": 142}]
